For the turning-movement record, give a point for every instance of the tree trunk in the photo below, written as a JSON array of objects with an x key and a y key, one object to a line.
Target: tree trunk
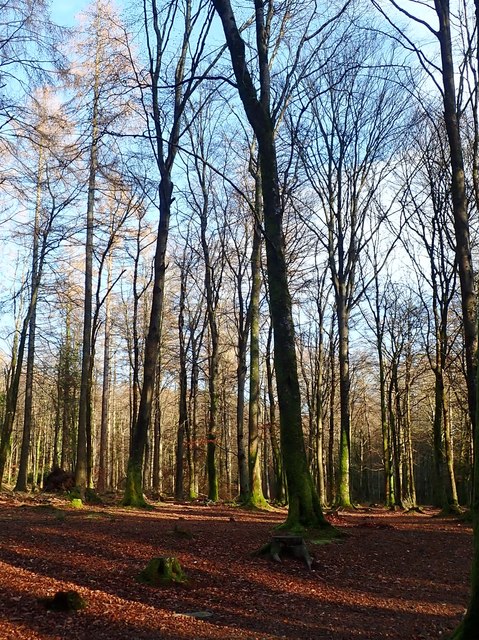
[
  {"x": 451, "y": 489},
  {"x": 183, "y": 390},
  {"x": 279, "y": 484},
  {"x": 21, "y": 484},
  {"x": 409, "y": 487},
  {"x": 256, "y": 497},
  {"x": 469, "y": 629},
  {"x": 332, "y": 419},
  {"x": 134, "y": 481},
  {"x": 105, "y": 398},
  {"x": 344, "y": 491},
  {"x": 157, "y": 466},
  {"x": 84, "y": 411},
  {"x": 11, "y": 396}
]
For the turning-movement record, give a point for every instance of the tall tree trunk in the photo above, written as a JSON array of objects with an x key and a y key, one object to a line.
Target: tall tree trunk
[
  {"x": 459, "y": 202},
  {"x": 241, "y": 372},
  {"x": 165, "y": 148},
  {"x": 11, "y": 396},
  {"x": 386, "y": 433},
  {"x": 213, "y": 357},
  {"x": 451, "y": 488},
  {"x": 21, "y": 484},
  {"x": 278, "y": 470},
  {"x": 395, "y": 427},
  {"x": 84, "y": 412},
  {"x": 319, "y": 426},
  {"x": 439, "y": 489},
  {"x": 13, "y": 381},
  {"x": 344, "y": 491},
  {"x": 469, "y": 628},
  {"x": 105, "y": 398},
  {"x": 134, "y": 481},
  {"x": 192, "y": 451},
  {"x": 157, "y": 475},
  {"x": 409, "y": 487},
  {"x": 332, "y": 485},
  {"x": 256, "y": 497},
  {"x": 183, "y": 428}
]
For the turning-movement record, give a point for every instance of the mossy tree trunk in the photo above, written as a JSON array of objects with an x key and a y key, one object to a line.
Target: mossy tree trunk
[
  {"x": 192, "y": 426},
  {"x": 332, "y": 489},
  {"x": 318, "y": 447},
  {"x": 304, "y": 506},
  {"x": 279, "y": 490},
  {"x": 183, "y": 385},
  {"x": 212, "y": 282},
  {"x": 256, "y": 497},
  {"x": 342, "y": 311}
]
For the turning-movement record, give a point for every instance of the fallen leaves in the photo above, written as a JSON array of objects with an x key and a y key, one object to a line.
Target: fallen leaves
[{"x": 394, "y": 576}]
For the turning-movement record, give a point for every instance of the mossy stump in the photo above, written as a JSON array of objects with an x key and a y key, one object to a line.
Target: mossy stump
[
  {"x": 67, "y": 601},
  {"x": 162, "y": 572}
]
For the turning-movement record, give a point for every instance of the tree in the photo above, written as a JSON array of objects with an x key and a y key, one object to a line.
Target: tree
[
  {"x": 47, "y": 130},
  {"x": 212, "y": 247},
  {"x": 304, "y": 506},
  {"x": 452, "y": 121},
  {"x": 348, "y": 134},
  {"x": 46, "y": 244},
  {"x": 427, "y": 196},
  {"x": 378, "y": 304},
  {"x": 102, "y": 69},
  {"x": 164, "y": 137}
]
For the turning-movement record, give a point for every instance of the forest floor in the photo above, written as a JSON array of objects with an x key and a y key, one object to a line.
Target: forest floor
[{"x": 393, "y": 575}]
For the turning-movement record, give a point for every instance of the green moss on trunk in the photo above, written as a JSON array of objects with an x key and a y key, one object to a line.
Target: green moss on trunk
[
  {"x": 213, "y": 493},
  {"x": 134, "y": 486}
]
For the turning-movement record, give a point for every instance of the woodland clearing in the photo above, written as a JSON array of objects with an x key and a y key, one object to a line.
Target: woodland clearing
[{"x": 393, "y": 575}]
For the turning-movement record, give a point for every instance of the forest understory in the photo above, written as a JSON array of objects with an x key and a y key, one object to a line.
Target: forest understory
[{"x": 392, "y": 575}]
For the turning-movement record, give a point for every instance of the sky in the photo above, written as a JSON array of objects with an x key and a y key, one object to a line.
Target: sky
[{"x": 64, "y": 11}]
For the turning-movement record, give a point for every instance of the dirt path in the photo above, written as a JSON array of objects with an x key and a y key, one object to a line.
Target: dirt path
[{"x": 394, "y": 576}]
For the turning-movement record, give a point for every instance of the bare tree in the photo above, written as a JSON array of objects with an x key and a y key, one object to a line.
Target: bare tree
[
  {"x": 304, "y": 505},
  {"x": 349, "y": 131},
  {"x": 164, "y": 136}
]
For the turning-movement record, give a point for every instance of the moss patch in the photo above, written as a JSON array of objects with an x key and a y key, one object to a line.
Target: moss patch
[{"x": 164, "y": 571}]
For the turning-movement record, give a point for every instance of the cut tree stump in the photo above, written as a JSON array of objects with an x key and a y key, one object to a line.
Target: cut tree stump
[
  {"x": 287, "y": 545},
  {"x": 64, "y": 601},
  {"x": 164, "y": 571}
]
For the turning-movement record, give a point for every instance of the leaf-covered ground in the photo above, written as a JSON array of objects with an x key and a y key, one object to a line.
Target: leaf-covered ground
[{"x": 393, "y": 576}]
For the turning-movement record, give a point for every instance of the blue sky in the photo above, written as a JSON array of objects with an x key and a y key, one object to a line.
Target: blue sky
[{"x": 64, "y": 11}]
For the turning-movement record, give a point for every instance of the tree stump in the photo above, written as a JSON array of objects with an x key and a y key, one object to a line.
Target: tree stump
[
  {"x": 65, "y": 601},
  {"x": 58, "y": 481},
  {"x": 287, "y": 545},
  {"x": 164, "y": 571}
]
